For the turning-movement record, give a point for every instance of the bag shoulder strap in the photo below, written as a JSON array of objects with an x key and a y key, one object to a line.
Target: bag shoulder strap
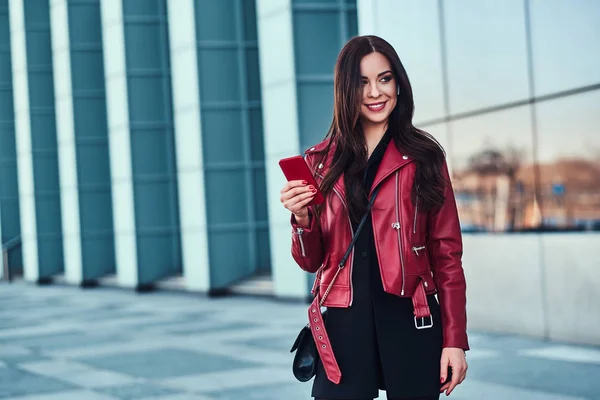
[{"x": 342, "y": 263}]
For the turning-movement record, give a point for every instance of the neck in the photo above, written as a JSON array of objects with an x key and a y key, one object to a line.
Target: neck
[{"x": 373, "y": 134}]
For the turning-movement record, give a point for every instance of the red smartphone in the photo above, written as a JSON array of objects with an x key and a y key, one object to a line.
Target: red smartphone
[{"x": 295, "y": 168}]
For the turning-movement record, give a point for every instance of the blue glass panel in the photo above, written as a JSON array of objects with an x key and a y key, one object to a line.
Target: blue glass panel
[
  {"x": 7, "y": 141},
  {"x": 260, "y": 195},
  {"x": 219, "y": 76},
  {"x": 147, "y": 99},
  {"x": 50, "y": 256},
  {"x": 315, "y": 2},
  {"x": 37, "y": 13},
  {"x": 85, "y": 25},
  {"x": 158, "y": 257},
  {"x": 87, "y": 69},
  {"x": 43, "y": 129},
  {"x": 229, "y": 250},
  {"x": 90, "y": 118},
  {"x": 92, "y": 163},
  {"x": 94, "y": 214},
  {"x": 253, "y": 74},
  {"x": 315, "y": 106},
  {"x": 48, "y": 216},
  {"x": 10, "y": 218},
  {"x": 222, "y": 136},
  {"x": 225, "y": 196},
  {"x": 215, "y": 20},
  {"x": 45, "y": 171},
  {"x": 39, "y": 48},
  {"x": 6, "y": 107},
  {"x": 352, "y": 24},
  {"x": 249, "y": 12},
  {"x": 256, "y": 135},
  {"x": 150, "y": 151},
  {"x": 317, "y": 42},
  {"x": 263, "y": 249},
  {"x": 8, "y": 177},
  {"x": 98, "y": 255},
  {"x": 41, "y": 89},
  {"x": 143, "y": 7},
  {"x": 154, "y": 204},
  {"x": 137, "y": 39}
]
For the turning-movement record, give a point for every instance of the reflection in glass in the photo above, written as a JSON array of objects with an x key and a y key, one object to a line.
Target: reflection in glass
[
  {"x": 493, "y": 172},
  {"x": 569, "y": 156}
]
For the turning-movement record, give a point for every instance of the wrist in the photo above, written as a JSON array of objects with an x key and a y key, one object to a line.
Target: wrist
[{"x": 302, "y": 220}]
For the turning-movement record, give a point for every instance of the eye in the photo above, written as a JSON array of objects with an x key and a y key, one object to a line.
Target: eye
[
  {"x": 363, "y": 82},
  {"x": 387, "y": 78}
]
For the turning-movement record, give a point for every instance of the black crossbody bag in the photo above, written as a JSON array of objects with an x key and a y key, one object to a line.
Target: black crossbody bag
[{"x": 306, "y": 358}]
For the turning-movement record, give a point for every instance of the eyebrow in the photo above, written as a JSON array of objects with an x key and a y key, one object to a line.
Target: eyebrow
[{"x": 379, "y": 74}]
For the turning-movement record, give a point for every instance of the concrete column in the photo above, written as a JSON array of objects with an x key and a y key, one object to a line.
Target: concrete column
[
  {"x": 82, "y": 140},
  {"x": 281, "y": 133},
  {"x": 119, "y": 143},
  {"x": 36, "y": 140},
  {"x": 188, "y": 141}
]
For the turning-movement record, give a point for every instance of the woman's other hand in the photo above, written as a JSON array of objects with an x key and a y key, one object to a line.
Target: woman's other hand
[
  {"x": 454, "y": 358},
  {"x": 295, "y": 195}
]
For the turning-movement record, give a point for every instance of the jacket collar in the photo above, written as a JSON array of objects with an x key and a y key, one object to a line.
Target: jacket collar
[{"x": 392, "y": 160}]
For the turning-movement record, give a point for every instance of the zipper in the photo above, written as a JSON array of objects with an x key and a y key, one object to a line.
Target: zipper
[
  {"x": 416, "y": 249},
  {"x": 416, "y": 211},
  {"x": 396, "y": 225},
  {"x": 300, "y": 231},
  {"x": 351, "y": 258}
]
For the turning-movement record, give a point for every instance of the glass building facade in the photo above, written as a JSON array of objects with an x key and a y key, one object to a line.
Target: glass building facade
[{"x": 139, "y": 139}]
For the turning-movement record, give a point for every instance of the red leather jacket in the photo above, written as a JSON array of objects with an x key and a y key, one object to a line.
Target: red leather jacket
[{"x": 413, "y": 245}]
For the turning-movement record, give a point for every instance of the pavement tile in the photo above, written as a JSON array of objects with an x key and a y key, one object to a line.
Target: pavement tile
[
  {"x": 565, "y": 353},
  {"x": 163, "y": 363},
  {"x": 231, "y": 379},
  {"x": 16, "y": 382},
  {"x": 70, "y": 395},
  {"x": 472, "y": 389},
  {"x": 569, "y": 379},
  {"x": 108, "y": 344},
  {"x": 138, "y": 391}
]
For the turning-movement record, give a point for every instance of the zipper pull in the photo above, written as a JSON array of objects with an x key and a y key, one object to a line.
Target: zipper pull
[
  {"x": 299, "y": 231},
  {"x": 416, "y": 249},
  {"x": 396, "y": 225}
]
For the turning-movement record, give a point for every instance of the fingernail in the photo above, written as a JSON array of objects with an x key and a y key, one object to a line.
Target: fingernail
[
  {"x": 304, "y": 182},
  {"x": 311, "y": 187},
  {"x": 442, "y": 380}
]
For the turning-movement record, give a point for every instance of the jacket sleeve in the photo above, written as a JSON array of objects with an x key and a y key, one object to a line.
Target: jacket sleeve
[
  {"x": 444, "y": 243},
  {"x": 307, "y": 242},
  {"x": 307, "y": 245}
]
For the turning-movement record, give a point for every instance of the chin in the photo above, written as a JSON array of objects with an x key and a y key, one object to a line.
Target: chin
[{"x": 376, "y": 121}]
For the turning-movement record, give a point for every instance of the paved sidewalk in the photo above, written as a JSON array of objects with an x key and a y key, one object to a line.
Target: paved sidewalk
[{"x": 66, "y": 343}]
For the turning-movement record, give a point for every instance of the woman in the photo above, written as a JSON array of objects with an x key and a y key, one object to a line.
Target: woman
[{"x": 384, "y": 328}]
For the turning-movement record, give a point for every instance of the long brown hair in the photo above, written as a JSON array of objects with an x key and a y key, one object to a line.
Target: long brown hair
[{"x": 350, "y": 156}]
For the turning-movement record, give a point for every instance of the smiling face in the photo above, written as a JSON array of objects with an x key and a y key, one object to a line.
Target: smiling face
[{"x": 379, "y": 89}]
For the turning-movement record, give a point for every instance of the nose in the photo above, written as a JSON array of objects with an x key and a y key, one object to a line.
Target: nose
[{"x": 373, "y": 91}]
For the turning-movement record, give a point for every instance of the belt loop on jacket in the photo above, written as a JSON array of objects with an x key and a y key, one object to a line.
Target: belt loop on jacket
[{"x": 423, "y": 318}]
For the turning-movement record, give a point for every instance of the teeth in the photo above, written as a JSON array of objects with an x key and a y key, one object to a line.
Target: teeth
[{"x": 376, "y": 107}]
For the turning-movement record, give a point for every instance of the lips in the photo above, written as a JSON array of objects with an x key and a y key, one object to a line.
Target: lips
[{"x": 375, "y": 107}]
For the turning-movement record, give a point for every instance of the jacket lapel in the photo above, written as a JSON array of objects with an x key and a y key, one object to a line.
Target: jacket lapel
[{"x": 391, "y": 161}]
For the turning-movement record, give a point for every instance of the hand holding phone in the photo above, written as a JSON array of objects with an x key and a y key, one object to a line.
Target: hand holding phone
[{"x": 301, "y": 190}]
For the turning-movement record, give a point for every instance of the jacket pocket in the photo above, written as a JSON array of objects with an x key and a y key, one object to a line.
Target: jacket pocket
[{"x": 420, "y": 257}]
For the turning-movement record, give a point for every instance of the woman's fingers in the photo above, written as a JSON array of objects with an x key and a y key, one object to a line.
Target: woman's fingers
[
  {"x": 292, "y": 184},
  {"x": 293, "y": 191},
  {"x": 298, "y": 202}
]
